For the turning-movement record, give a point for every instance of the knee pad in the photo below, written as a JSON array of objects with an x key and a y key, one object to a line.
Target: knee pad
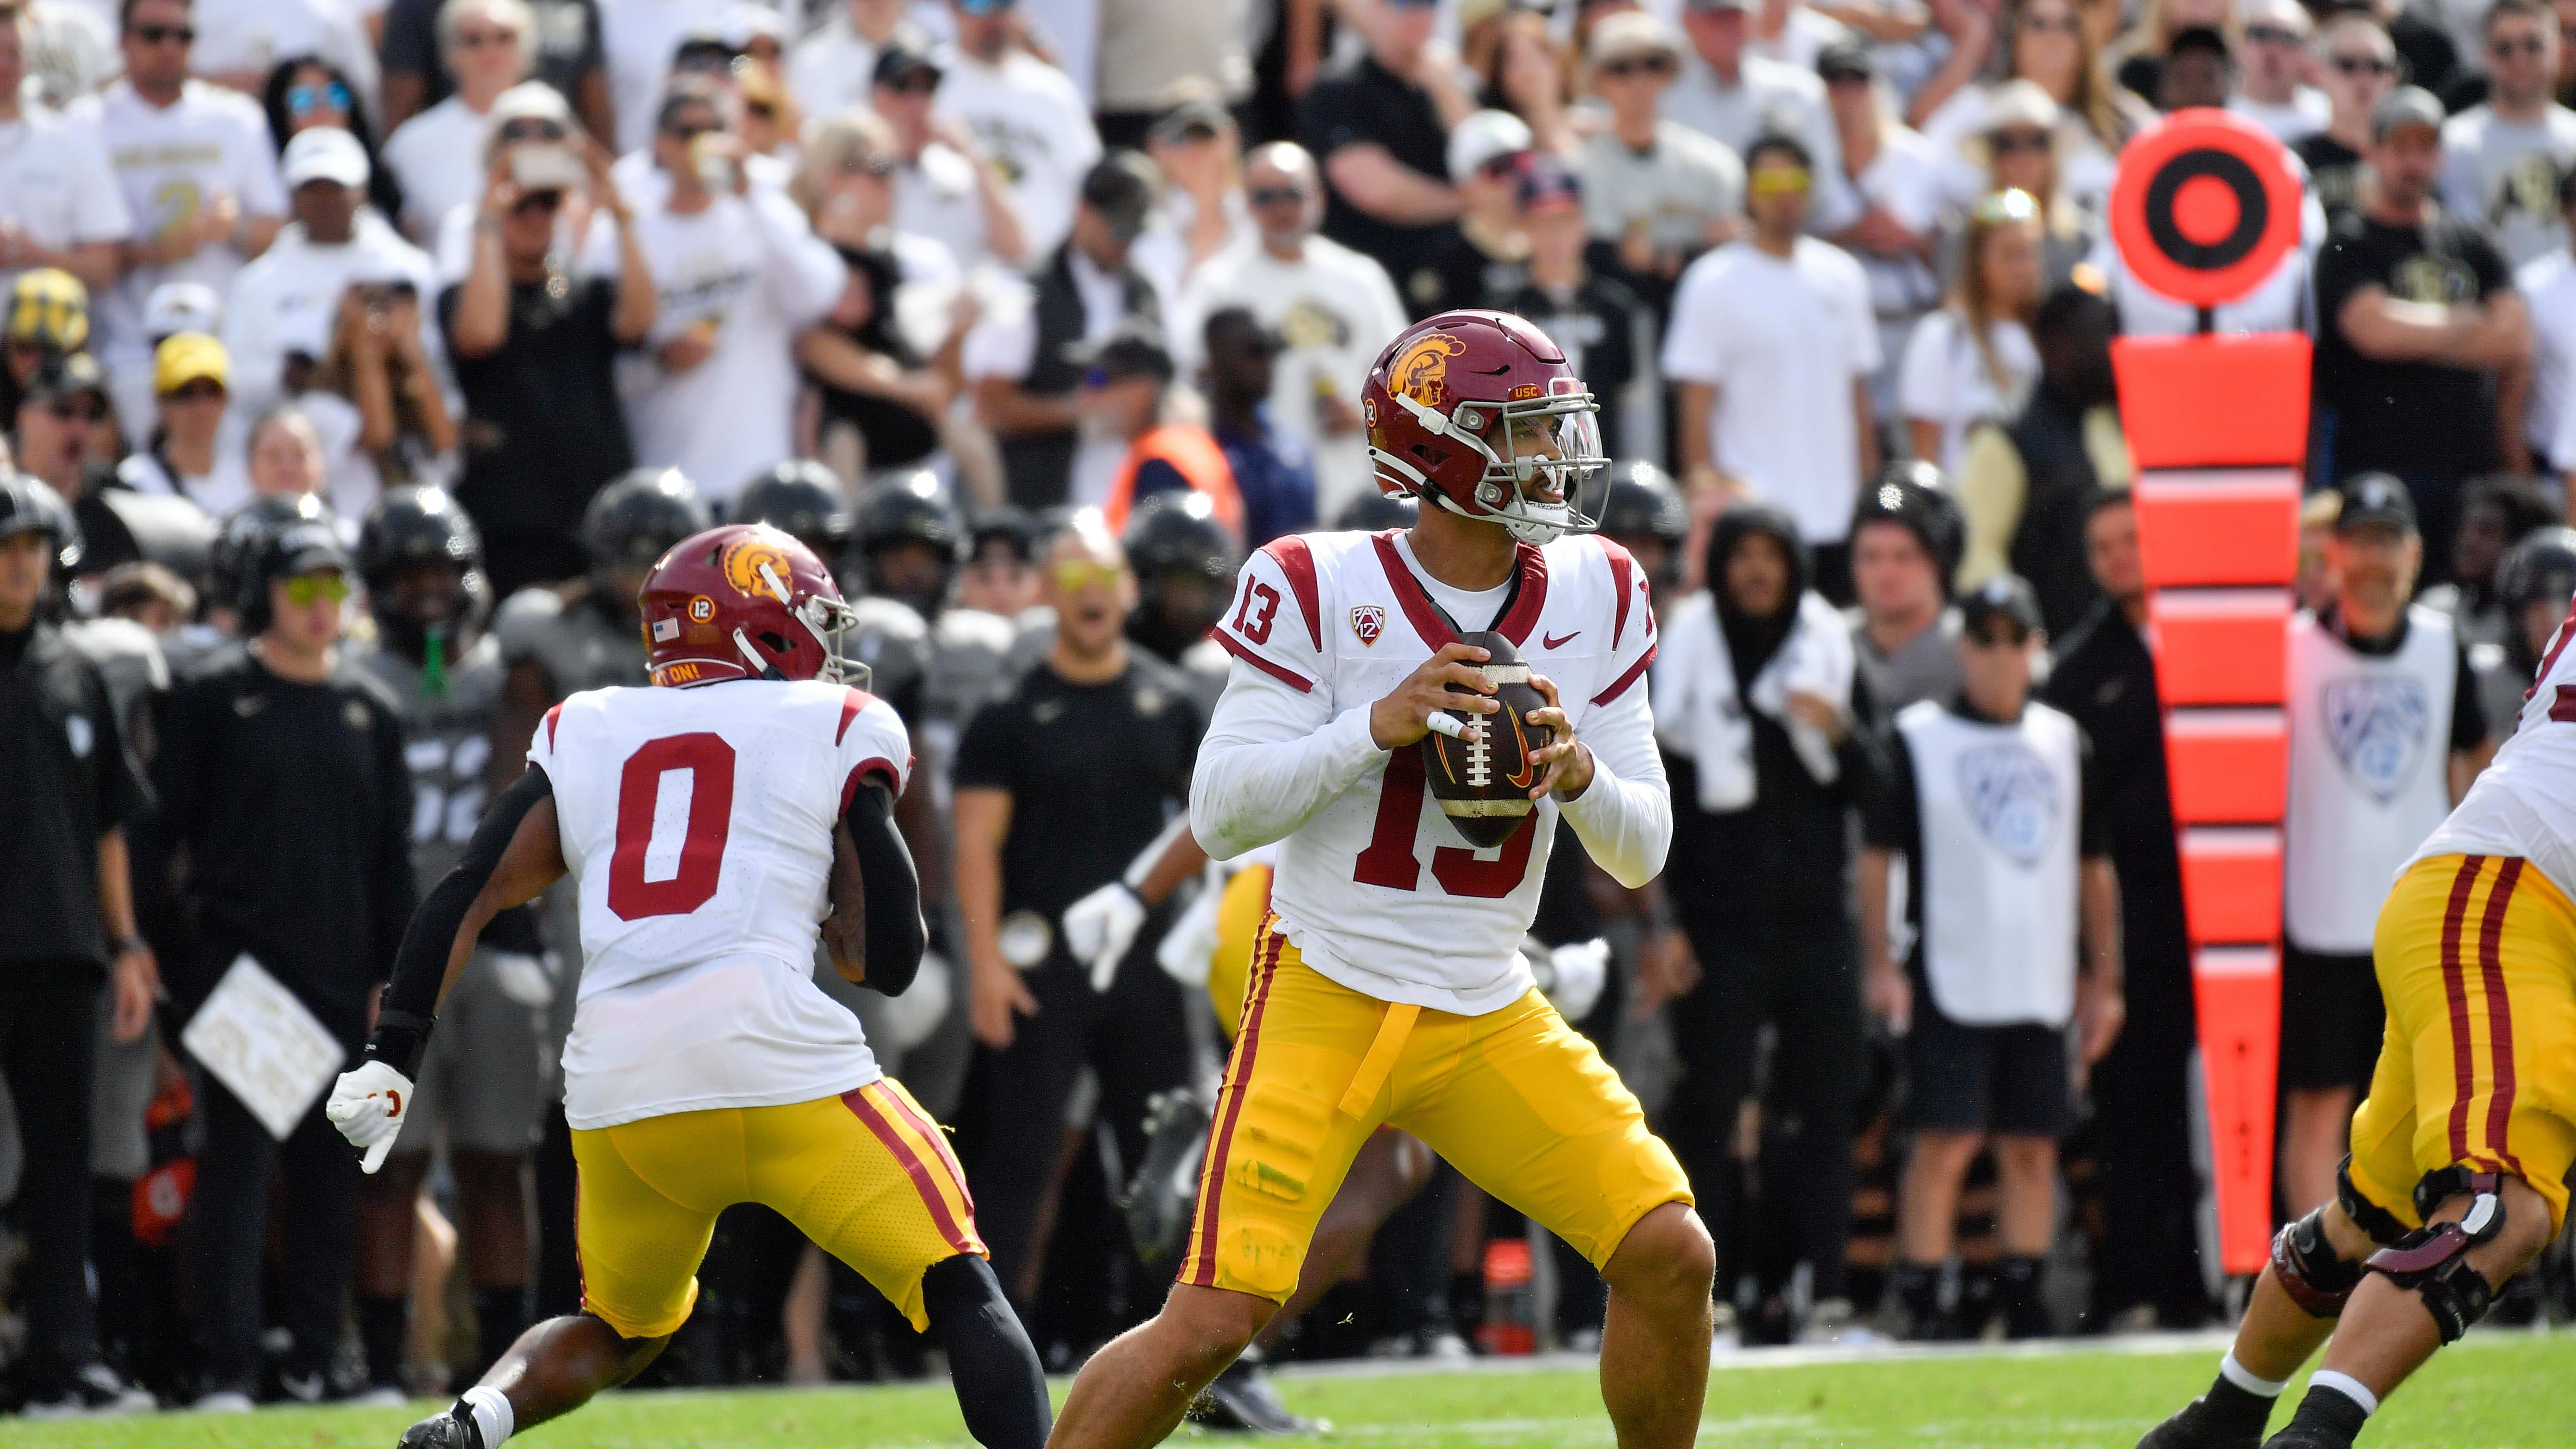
[
  {"x": 2378, "y": 1223},
  {"x": 2432, "y": 1261},
  {"x": 2308, "y": 1268}
]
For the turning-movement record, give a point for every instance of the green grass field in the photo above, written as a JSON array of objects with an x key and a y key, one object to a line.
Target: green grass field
[{"x": 2498, "y": 1391}]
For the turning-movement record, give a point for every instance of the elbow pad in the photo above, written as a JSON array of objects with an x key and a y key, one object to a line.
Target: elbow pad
[
  {"x": 410, "y": 1006},
  {"x": 890, "y": 890}
]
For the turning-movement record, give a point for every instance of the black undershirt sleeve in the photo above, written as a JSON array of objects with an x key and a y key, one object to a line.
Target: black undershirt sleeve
[
  {"x": 420, "y": 967},
  {"x": 890, "y": 891}
]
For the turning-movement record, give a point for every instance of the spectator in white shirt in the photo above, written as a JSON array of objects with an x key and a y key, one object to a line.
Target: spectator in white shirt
[
  {"x": 199, "y": 177},
  {"x": 1027, "y": 114},
  {"x": 488, "y": 46},
  {"x": 238, "y": 41},
  {"x": 180, "y": 454},
  {"x": 2049, "y": 44},
  {"x": 738, "y": 274},
  {"x": 1197, "y": 148},
  {"x": 1658, "y": 190},
  {"x": 830, "y": 69},
  {"x": 2273, "y": 91},
  {"x": 1333, "y": 310},
  {"x": 304, "y": 92},
  {"x": 1973, "y": 361},
  {"x": 1736, "y": 96},
  {"x": 947, "y": 187},
  {"x": 2501, "y": 160},
  {"x": 2023, "y": 148},
  {"x": 1895, "y": 173},
  {"x": 1773, "y": 344},
  {"x": 641, "y": 37},
  {"x": 280, "y": 319},
  {"x": 58, "y": 205}
]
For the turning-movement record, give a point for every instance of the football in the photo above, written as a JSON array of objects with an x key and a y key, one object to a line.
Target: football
[{"x": 1483, "y": 784}]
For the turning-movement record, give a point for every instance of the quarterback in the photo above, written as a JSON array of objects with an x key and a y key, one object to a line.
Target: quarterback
[
  {"x": 2457, "y": 1173},
  {"x": 713, "y": 825},
  {"x": 1388, "y": 986}
]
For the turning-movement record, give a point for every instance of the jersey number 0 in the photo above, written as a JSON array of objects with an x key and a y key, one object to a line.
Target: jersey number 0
[{"x": 709, "y": 763}]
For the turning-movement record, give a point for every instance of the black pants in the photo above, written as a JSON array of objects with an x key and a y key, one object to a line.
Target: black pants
[
  {"x": 1802, "y": 975},
  {"x": 1013, "y": 1130},
  {"x": 2150, "y": 1191},
  {"x": 48, "y": 1048},
  {"x": 318, "y": 1171}
]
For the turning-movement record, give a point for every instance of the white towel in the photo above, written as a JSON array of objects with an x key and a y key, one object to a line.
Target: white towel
[{"x": 1700, "y": 711}]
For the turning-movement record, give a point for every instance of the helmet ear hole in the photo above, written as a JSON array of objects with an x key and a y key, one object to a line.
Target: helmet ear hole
[{"x": 773, "y": 641}]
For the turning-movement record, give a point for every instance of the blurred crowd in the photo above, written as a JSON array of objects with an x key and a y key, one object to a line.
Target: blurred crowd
[{"x": 361, "y": 354}]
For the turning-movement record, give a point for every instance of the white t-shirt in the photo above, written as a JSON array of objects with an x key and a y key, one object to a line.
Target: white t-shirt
[
  {"x": 1768, "y": 96},
  {"x": 835, "y": 67},
  {"x": 169, "y": 163},
  {"x": 936, "y": 197},
  {"x": 55, "y": 186},
  {"x": 1782, "y": 342},
  {"x": 1004, "y": 344},
  {"x": 639, "y": 37},
  {"x": 2503, "y": 175},
  {"x": 1034, "y": 124},
  {"x": 2305, "y": 115},
  {"x": 218, "y": 492},
  {"x": 248, "y": 36},
  {"x": 437, "y": 156},
  {"x": 289, "y": 301},
  {"x": 750, "y": 269},
  {"x": 2084, "y": 164},
  {"x": 699, "y": 910},
  {"x": 1336, "y": 310},
  {"x": 2548, "y": 288},
  {"x": 1944, "y": 378}
]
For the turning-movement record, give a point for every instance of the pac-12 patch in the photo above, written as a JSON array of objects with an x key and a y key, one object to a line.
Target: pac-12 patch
[{"x": 1368, "y": 621}]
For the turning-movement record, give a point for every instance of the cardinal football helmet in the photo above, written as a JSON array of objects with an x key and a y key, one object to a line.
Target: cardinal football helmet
[
  {"x": 1479, "y": 413},
  {"x": 744, "y": 601}
]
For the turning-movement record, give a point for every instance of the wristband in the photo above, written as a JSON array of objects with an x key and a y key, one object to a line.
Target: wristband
[{"x": 401, "y": 1039}]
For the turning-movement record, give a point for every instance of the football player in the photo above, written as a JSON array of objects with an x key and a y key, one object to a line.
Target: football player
[
  {"x": 709, "y": 824},
  {"x": 2456, "y": 1176},
  {"x": 1390, "y": 986}
]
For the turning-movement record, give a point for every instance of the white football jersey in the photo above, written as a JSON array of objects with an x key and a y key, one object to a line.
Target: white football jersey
[
  {"x": 698, "y": 827},
  {"x": 2524, "y": 803},
  {"x": 1375, "y": 887}
]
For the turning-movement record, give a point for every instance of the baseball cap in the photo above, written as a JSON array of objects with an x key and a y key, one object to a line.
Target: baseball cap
[
  {"x": 1846, "y": 60},
  {"x": 324, "y": 153},
  {"x": 1196, "y": 111},
  {"x": 176, "y": 307},
  {"x": 905, "y": 51},
  {"x": 1122, "y": 187},
  {"x": 1484, "y": 136},
  {"x": 1631, "y": 33},
  {"x": 2003, "y": 596},
  {"x": 49, "y": 308},
  {"x": 66, "y": 374},
  {"x": 2374, "y": 499},
  {"x": 2019, "y": 103},
  {"x": 2403, "y": 107},
  {"x": 1128, "y": 352},
  {"x": 309, "y": 548},
  {"x": 186, "y": 357},
  {"x": 743, "y": 24}
]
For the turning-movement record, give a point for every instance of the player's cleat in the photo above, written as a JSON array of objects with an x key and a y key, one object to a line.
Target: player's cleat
[
  {"x": 447, "y": 1429},
  {"x": 1243, "y": 1401},
  {"x": 1161, "y": 1196},
  {"x": 94, "y": 1392},
  {"x": 2200, "y": 1425}
]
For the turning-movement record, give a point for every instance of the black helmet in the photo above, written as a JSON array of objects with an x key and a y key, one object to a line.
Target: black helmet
[
  {"x": 1643, "y": 503},
  {"x": 911, "y": 508},
  {"x": 2541, "y": 567},
  {"x": 636, "y": 519},
  {"x": 1011, "y": 524},
  {"x": 28, "y": 504},
  {"x": 228, "y": 562},
  {"x": 1913, "y": 493},
  {"x": 1178, "y": 531},
  {"x": 1371, "y": 511},
  {"x": 412, "y": 525},
  {"x": 799, "y": 497},
  {"x": 284, "y": 552}
]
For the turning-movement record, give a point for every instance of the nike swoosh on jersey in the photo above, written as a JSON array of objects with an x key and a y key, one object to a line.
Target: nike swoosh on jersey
[{"x": 1547, "y": 641}]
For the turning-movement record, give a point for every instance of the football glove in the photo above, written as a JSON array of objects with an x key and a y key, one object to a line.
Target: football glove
[
  {"x": 525, "y": 979},
  {"x": 1100, "y": 927},
  {"x": 1572, "y": 976},
  {"x": 367, "y": 1105}
]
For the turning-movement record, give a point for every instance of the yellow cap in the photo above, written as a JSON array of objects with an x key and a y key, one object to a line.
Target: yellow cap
[
  {"x": 184, "y": 357},
  {"x": 49, "y": 307}
]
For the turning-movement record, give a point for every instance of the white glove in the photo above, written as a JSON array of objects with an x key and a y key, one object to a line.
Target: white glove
[
  {"x": 915, "y": 1016},
  {"x": 525, "y": 979},
  {"x": 1100, "y": 927},
  {"x": 1188, "y": 948},
  {"x": 367, "y": 1105},
  {"x": 1575, "y": 976}
]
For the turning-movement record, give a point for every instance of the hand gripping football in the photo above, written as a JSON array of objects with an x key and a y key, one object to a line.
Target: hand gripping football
[{"x": 1483, "y": 784}]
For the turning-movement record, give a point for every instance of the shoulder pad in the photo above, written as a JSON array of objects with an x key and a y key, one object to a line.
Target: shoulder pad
[{"x": 891, "y": 618}]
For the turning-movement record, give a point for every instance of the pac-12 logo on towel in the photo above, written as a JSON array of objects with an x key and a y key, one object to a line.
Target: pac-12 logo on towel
[
  {"x": 2013, "y": 798},
  {"x": 2376, "y": 724}
]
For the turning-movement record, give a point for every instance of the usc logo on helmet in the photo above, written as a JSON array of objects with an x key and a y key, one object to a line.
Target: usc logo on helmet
[
  {"x": 1421, "y": 371},
  {"x": 757, "y": 568}
]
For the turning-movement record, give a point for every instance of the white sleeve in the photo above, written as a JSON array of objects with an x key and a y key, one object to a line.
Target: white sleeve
[
  {"x": 1693, "y": 346},
  {"x": 1274, "y": 754},
  {"x": 2458, "y": 181},
  {"x": 99, "y": 211},
  {"x": 1625, "y": 816},
  {"x": 1860, "y": 315},
  {"x": 262, "y": 194},
  {"x": 1003, "y": 342},
  {"x": 805, "y": 275},
  {"x": 1922, "y": 382}
]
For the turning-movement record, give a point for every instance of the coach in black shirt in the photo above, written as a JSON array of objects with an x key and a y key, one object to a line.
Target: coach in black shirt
[
  {"x": 1380, "y": 128},
  {"x": 2417, "y": 314},
  {"x": 1060, "y": 783},
  {"x": 283, "y": 784},
  {"x": 67, "y": 792}
]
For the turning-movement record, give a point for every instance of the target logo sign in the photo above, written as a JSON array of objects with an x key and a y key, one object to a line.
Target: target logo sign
[{"x": 2205, "y": 206}]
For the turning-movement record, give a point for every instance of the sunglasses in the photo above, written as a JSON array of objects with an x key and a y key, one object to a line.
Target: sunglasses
[
  {"x": 2272, "y": 35},
  {"x": 478, "y": 39},
  {"x": 531, "y": 128},
  {"x": 304, "y": 100},
  {"x": 536, "y": 201},
  {"x": 703, "y": 60},
  {"x": 1649, "y": 65},
  {"x": 2012, "y": 143},
  {"x": 912, "y": 83},
  {"x": 2528, "y": 45},
  {"x": 1780, "y": 181},
  {"x": 69, "y": 410},
  {"x": 204, "y": 389},
  {"x": 685, "y": 133},
  {"x": 164, "y": 34},
  {"x": 2007, "y": 637},
  {"x": 1074, "y": 575},
  {"x": 1275, "y": 196},
  {"x": 303, "y": 590},
  {"x": 1196, "y": 133},
  {"x": 2364, "y": 65}
]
